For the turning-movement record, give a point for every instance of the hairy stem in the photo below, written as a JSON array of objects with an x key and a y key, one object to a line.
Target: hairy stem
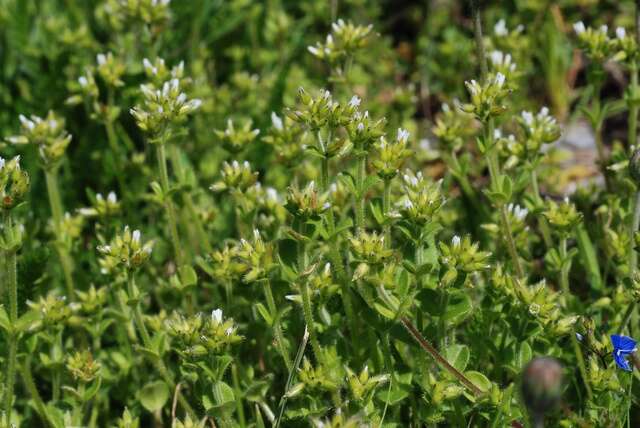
[
  {"x": 386, "y": 207},
  {"x": 277, "y": 326},
  {"x": 633, "y": 107},
  {"x": 30, "y": 385},
  {"x": 55, "y": 201},
  {"x": 334, "y": 246},
  {"x": 146, "y": 340},
  {"x": 168, "y": 202},
  {"x": 428, "y": 347},
  {"x": 292, "y": 376},
  {"x": 307, "y": 307},
  {"x": 543, "y": 224},
  {"x": 360, "y": 197},
  {"x": 11, "y": 283}
]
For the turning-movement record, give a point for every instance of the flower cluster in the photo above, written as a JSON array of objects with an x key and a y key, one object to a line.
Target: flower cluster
[
  {"x": 235, "y": 140},
  {"x": 389, "y": 157},
  {"x": 48, "y": 134},
  {"x": 126, "y": 251},
  {"x": 14, "y": 183},
  {"x": 163, "y": 107},
  {"x": 486, "y": 98},
  {"x": 199, "y": 335},
  {"x": 422, "y": 200},
  {"x": 343, "y": 41}
]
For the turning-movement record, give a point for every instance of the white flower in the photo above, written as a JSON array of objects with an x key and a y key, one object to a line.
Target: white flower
[
  {"x": 354, "y": 102},
  {"x": 500, "y": 29},
  {"x": 518, "y": 212},
  {"x": 455, "y": 241},
  {"x": 26, "y": 122},
  {"x": 544, "y": 112},
  {"x": 403, "y": 135},
  {"x": 496, "y": 57},
  {"x": 272, "y": 194},
  {"x": 112, "y": 198},
  {"x": 499, "y": 80},
  {"x": 101, "y": 58},
  {"x": 216, "y": 316},
  {"x": 473, "y": 86},
  {"x": 527, "y": 117},
  {"x": 82, "y": 80},
  {"x": 604, "y": 29},
  {"x": 497, "y": 134},
  {"x": 579, "y": 27},
  {"x": 276, "y": 121},
  {"x": 135, "y": 236},
  {"x": 621, "y": 33},
  {"x": 229, "y": 331}
]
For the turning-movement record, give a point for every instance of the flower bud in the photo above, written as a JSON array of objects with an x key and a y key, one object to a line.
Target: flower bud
[{"x": 541, "y": 385}]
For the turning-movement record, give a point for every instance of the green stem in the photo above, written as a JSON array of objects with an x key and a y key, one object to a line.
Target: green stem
[
  {"x": 12, "y": 293},
  {"x": 635, "y": 222},
  {"x": 193, "y": 219},
  {"x": 277, "y": 326},
  {"x": 334, "y": 246},
  {"x": 426, "y": 346},
  {"x": 386, "y": 207},
  {"x": 308, "y": 318},
  {"x": 511, "y": 245},
  {"x": 542, "y": 221},
  {"x": 633, "y": 256},
  {"x": 505, "y": 224},
  {"x": 360, "y": 178},
  {"x": 307, "y": 307},
  {"x": 27, "y": 378},
  {"x": 564, "y": 271},
  {"x": 168, "y": 202},
  {"x": 564, "y": 285},
  {"x": 238, "y": 394},
  {"x": 146, "y": 340},
  {"x": 292, "y": 376},
  {"x": 633, "y": 107},
  {"x": 477, "y": 31},
  {"x": 55, "y": 201}
]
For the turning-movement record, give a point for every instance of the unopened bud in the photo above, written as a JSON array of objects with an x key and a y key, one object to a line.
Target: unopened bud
[{"x": 541, "y": 385}]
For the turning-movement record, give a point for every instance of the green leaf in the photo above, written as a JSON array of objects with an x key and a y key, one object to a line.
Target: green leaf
[
  {"x": 5, "y": 324},
  {"x": 188, "y": 276},
  {"x": 26, "y": 321},
  {"x": 588, "y": 257},
  {"x": 264, "y": 312},
  {"x": 223, "y": 395},
  {"x": 524, "y": 355},
  {"x": 153, "y": 396},
  {"x": 392, "y": 396},
  {"x": 458, "y": 356},
  {"x": 384, "y": 311},
  {"x": 479, "y": 380},
  {"x": 90, "y": 392},
  {"x": 459, "y": 308}
]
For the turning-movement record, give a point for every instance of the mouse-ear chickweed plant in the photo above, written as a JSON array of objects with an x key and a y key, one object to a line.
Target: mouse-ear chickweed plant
[{"x": 326, "y": 214}]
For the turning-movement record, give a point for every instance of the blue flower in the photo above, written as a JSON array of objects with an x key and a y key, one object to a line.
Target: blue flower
[{"x": 622, "y": 347}]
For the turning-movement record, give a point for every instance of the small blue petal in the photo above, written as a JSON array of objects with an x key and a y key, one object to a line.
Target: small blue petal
[
  {"x": 621, "y": 361},
  {"x": 622, "y": 342}
]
